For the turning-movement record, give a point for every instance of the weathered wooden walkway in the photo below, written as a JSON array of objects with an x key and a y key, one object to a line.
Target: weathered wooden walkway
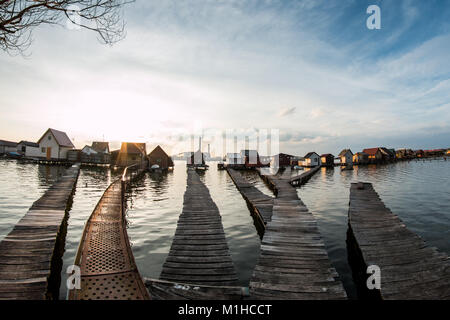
[
  {"x": 30, "y": 255},
  {"x": 199, "y": 253},
  {"x": 261, "y": 205},
  {"x": 168, "y": 290},
  {"x": 409, "y": 268},
  {"x": 108, "y": 269},
  {"x": 304, "y": 176},
  {"x": 293, "y": 262}
]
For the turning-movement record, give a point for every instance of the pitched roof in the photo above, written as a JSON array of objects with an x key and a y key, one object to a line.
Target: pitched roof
[
  {"x": 29, "y": 144},
  {"x": 387, "y": 151},
  {"x": 100, "y": 146},
  {"x": 343, "y": 152},
  {"x": 8, "y": 143},
  {"x": 371, "y": 151},
  {"x": 327, "y": 155},
  {"x": 132, "y": 148},
  {"x": 61, "y": 138},
  {"x": 158, "y": 149},
  {"x": 309, "y": 154}
]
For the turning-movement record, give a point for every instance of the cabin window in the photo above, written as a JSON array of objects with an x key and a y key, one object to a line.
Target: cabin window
[
  {"x": 23, "y": 148},
  {"x": 49, "y": 137},
  {"x": 43, "y": 149}
]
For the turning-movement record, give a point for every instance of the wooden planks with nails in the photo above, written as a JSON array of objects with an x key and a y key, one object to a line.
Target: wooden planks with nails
[
  {"x": 409, "y": 268},
  {"x": 30, "y": 255},
  {"x": 168, "y": 290},
  {"x": 108, "y": 269},
  {"x": 293, "y": 263},
  {"x": 199, "y": 253}
]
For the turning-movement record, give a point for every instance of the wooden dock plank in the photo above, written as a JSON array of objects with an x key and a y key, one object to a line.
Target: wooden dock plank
[
  {"x": 108, "y": 269},
  {"x": 199, "y": 253},
  {"x": 293, "y": 262},
  {"x": 259, "y": 203},
  {"x": 30, "y": 253},
  {"x": 168, "y": 290},
  {"x": 409, "y": 268}
]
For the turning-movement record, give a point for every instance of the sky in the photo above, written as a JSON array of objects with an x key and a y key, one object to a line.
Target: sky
[{"x": 310, "y": 69}]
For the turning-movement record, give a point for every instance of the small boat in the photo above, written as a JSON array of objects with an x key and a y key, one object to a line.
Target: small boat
[
  {"x": 298, "y": 168},
  {"x": 155, "y": 168},
  {"x": 14, "y": 155}
]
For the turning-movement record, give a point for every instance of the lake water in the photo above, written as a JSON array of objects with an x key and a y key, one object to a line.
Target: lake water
[{"x": 418, "y": 191}]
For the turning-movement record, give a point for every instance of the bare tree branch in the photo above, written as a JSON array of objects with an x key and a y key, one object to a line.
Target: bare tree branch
[{"x": 18, "y": 18}]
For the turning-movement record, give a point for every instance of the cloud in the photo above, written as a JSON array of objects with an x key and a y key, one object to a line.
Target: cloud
[
  {"x": 286, "y": 112},
  {"x": 227, "y": 63}
]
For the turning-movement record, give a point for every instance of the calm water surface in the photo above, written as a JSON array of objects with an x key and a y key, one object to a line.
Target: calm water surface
[
  {"x": 22, "y": 184},
  {"x": 417, "y": 191}
]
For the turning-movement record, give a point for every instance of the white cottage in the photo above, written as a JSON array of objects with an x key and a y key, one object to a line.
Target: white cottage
[
  {"x": 312, "y": 159},
  {"x": 29, "y": 149},
  {"x": 54, "y": 145}
]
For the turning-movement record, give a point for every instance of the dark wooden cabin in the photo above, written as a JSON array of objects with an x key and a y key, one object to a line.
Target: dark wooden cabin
[
  {"x": 327, "y": 160},
  {"x": 132, "y": 153},
  {"x": 159, "y": 157},
  {"x": 282, "y": 160}
]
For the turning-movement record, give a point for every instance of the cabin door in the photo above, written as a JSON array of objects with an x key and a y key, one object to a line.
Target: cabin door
[{"x": 49, "y": 153}]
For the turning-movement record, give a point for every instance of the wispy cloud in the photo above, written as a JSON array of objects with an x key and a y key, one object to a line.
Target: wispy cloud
[
  {"x": 286, "y": 112},
  {"x": 228, "y": 63}
]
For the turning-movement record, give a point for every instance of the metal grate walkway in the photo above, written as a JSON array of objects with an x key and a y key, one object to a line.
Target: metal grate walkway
[{"x": 108, "y": 270}]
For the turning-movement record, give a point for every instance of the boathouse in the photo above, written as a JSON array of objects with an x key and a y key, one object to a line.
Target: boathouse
[
  {"x": 388, "y": 154},
  {"x": 131, "y": 153},
  {"x": 234, "y": 160},
  {"x": 281, "y": 160},
  {"x": 404, "y": 154},
  {"x": 158, "y": 157},
  {"x": 98, "y": 153},
  {"x": 434, "y": 152},
  {"x": 360, "y": 158},
  {"x": 346, "y": 157},
  {"x": 196, "y": 159},
  {"x": 327, "y": 160},
  {"x": 28, "y": 149},
  {"x": 7, "y": 146},
  {"x": 251, "y": 158},
  {"x": 312, "y": 159},
  {"x": 375, "y": 155},
  {"x": 419, "y": 153},
  {"x": 54, "y": 145}
]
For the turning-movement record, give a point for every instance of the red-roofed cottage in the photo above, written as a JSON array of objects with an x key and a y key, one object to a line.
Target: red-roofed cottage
[{"x": 374, "y": 154}]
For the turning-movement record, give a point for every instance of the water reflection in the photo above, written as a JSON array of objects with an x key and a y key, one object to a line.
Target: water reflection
[{"x": 417, "y": 191}]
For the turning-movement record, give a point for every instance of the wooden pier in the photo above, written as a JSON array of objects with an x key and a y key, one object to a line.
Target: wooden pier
[
  {"x": 260, "y": 204},
  {"x": 168, "y": 290},
  {"x": 108, "y": 269},
  {"x": 199, "y": 253},
  {"x": 293, "y": 263},
  {"x": 31, "y": 254},
  {"x": 409, "y": 268},
  {"x": 303, "y": 177}
]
